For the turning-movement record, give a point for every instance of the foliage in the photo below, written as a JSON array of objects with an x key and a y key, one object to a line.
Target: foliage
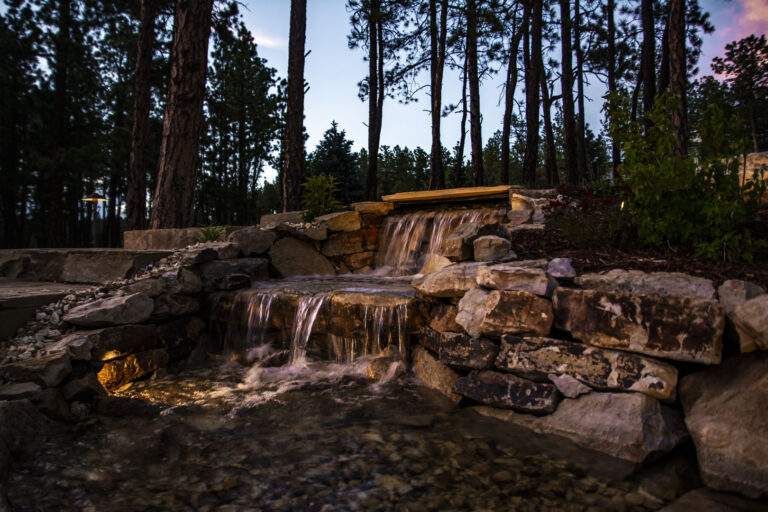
[
  {"x": 691, "y": 201},
  {"x": 212, "y": 234},
  {"x": 592, "y": 220},
  {"x": 333, "y": 156},
  {"x": 319, "y": 196}
]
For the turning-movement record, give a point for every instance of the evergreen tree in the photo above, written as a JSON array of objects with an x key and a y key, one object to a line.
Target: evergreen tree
[{"x": 333, "y": 157}]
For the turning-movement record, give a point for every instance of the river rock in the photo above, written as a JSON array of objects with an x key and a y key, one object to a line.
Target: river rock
[
  {"x": 726, "y": 414},
  {"x": 561, "y": 268},
  {"x": 629, "y": 426},
  {"x": 490, "y": 248},
  {"x": 452, "y": 281},
  {"x": 124, "y": 309},
  {"x": 442, "y": 318},
  {"x": 603, "y": 369},
  {"x": 497, "y": 313},
  {"x": 683, "y": 329},
  {"x": 253, "y": 240},
  {"x": 637, "y": 282},
  {"x": 434, "y": 374},
  {"x": 750, "y": 318},
  {"x": 512, "y": 276},
  {"x": 123, "y": 370},
  {"x": 462, "y": 351},
  {"x": 341, "y": 221},
  {"x": 509, "y": 392},
  {"x": 458, "y": 246},
  {"x": 233, "y": 274}
]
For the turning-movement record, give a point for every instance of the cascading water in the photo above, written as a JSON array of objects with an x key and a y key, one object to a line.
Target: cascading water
[
  {"x": 407, "y": 240},
  {"x": 384, "y": 329},
  {"x": 306, "y": 314}
]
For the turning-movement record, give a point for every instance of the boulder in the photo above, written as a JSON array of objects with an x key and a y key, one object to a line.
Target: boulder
[
  {"x": 20, "y": 391},
  {"x": 253, "y": 240},
  {"x": 629, "y": 426},
  {"x": 341, "y": 221},
  {"x": 507, "y": 391},
  {"x": 123, "y": 370},
  {"x": 124, "y": 309},
  {"x": 750, "y": 318},
  {"x": 83, "y": 389},
  {"x": 344, "y": 243},
  {"x": 269, "y": 221},
  {"x": 637, "y": 282},
  {"x": 683, "y": 329},
  {"x": 452, "y": 281},
  {"x": 462, "y": 351},
  {"x": 726, "y": 414},
  {"x": 110, "y": 342},
  {"x": 561, "y": 268},
  {"x": 511, "y": 276},
  {"x": 603, "y": 369},
  {"x": 570, "y": 387},
  {"x": 77, "y": 346},
  {"x": 151, "y": 287},
  {"x": 458, "y": 246},
  {"x": 517, "y": 217},
  {"x": 434, "y": 263},
  {"x": 209, "y": 251},
  {"x": 170, "y": 305},
  {"x": 490, "y": 248},
  {"x": 292, "y": 257},
  {"x": 497, "y": 313},
  {"x": 360, "y": 260},
  {"x": 47, "y": 369},
  {"x": 442, "y": 318},
  {"x": 233, "y": 274},
  {"x": 434, "y": 374},
  {"x": 513, "y": 229},
  {"x": 309, "y": 232},
  {"x": 380, "y": 208},
  {"x": 735, "y": 292}
]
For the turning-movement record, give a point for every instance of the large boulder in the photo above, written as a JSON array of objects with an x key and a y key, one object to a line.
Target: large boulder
[
  {"x": 345, "y": 243},
  {"x": 750, "y": 318},
  {"x": 442, "y": 318},
  {"x": 462, "y": 351},
  {"x": 684, "y": 329},
  {"x": 509, "y": 392},
  {"x": 253, "y": 240},
  {"x": 726, "y": 414},
  {"x": 232, "y": 274},
  {"x": 497, "y": 313},
  {"x": 629, "y": 426},
  {"x": 603, "y": 369},
  {"x": 341, "y": 221},
  {"x": 123, "y": 309},
  {"x": 637, "y": 282},
  {"x": 513, "y": 276},
  {"x": 735, "y": 292},
  {"x": 490, "y": 248},
  {"x": 434, "y": 374},
  {"x": 458, "y": 246},
  {"x": 123, "y": 370},
  {"x": 292, "y": 257},
  {"x": 47, "y": 369},
  {"x": 434, "y": 263},
  {"x": 452, "y": 281}
]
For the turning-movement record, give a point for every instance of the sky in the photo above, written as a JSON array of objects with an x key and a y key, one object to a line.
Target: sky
[{"x": 333, "y": 70}]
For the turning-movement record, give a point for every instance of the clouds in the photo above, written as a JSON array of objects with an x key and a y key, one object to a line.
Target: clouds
[{"x": 269, "y": 41}]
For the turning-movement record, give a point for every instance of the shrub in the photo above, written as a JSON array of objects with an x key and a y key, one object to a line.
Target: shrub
[
  {"x": 319, "y": 196},
  {"x": 693, "y": 201},
  {"x": 212, "y": 234}
]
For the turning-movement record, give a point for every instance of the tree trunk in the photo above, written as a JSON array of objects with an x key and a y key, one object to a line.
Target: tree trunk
[
  {"x": 612, "y": 86},
  {"x": 550, "y": 153},
  {"x": 648, "y": 55},
  {"x": 293, "y": 173},
  {"x": 678, "y": 74},
  {"x": 136, "y": 203},
  {"x": 581, "y": 124},
  {"x": 437, "y": 63},
  {"x": 475, "y": 130},
  {"x": 373, "y": 109},
  {"x": 664, "y": 65},
  {"x": 532, "y": 75},
  {"x": 458, "y": 168},
  {"x": 509, "y": 98},
  {"x": 569, "y": 121},
  {"x": 183, "y": 115}
]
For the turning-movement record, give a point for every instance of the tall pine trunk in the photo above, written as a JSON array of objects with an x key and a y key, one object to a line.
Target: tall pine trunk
[
  {"x": 509, "y": 98},
  {"x": 135, "y": 201},
  {"x": 610, "y": 15},
  {"x": 458, "y": 165},
  {"x": 550, "y": 152},
  {"x": 373, "y": 102},
  {"x": 293, "y": 169},
  {"x": 648, "y": 55},
  {"x": 438, "y": 30},
  {"x": 678, "y": 74},
  {"x": 569, "y": 121},
  {"x": 581, "y": 123},
  {"x": 532, "y": 88},
  {"x": 183, "y": 118},
  {"x": 475, "y": 129}
]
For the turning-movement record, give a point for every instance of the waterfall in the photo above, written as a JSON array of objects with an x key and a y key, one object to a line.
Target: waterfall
[
  {"x": 306, "y": 314},
  {"x": 408, "y": 239},
  {"x": 252, "y": 311},
  {"x": 385, "y": 328}
]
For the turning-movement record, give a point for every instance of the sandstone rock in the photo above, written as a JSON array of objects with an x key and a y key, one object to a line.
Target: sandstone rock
[
  {"x": 508, "y": 392},
  {"x": 309, "y": 232},
  {"x": 452, "y": 281},
  {"x": 19, "y": 391},
  {"x": 151, "y": 287},
  {"x": 490, "y": 248},
  {"x": 462, "y": 351},
  {"x": 511, "y": 276},
  {"x": 603, "y": 369},
  {"x": 570, "y": 387},
  {"x": 84, "y": 389},
  {"x": 735, "y": 292},
  {"x": 342, "y": 244},
  {"x": 168, "y": 305},
  {"x": 629, "y": 426},
  {"x": 341, "y": 221},
  {"x": 497, "y": 313},
  {"x": 47, "y": 369},
  {"x": 252, "y": 240},
  {"x": 293, "y": 257},
  {"x": 442, "y": 318},
  {"x": 561, "y": 268},
  {"x": 707, "y": 500},
  {"x": 459, "y": 245},
  {"x": 218, "y": 275},
  {"x": 120, "y": 310},
  {"x": 271, "y": 220},
  {"x": 726, "y": 414},
  {"x": 117, "y": 372},
  {"x": 373, "y": 207},
  {"x": 434, "y": 263},
  {"x": 513, "y": 229},
  {"x": 637, "y": 282},
  {"x": 434, "y": 374},
  {"x": 77, "y": 346},
  {"x": 360, "y": 260},
  {"x": 750, "y": 319},
  {"x": 385, "y": 368},
  {"x": 684, "y": 329},
  {"x": 517, "y": 217}
]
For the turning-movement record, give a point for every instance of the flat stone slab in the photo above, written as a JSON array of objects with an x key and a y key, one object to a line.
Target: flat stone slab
[
  {"x": 449, "y": 194},
  {"x": 166, "y": 239}
]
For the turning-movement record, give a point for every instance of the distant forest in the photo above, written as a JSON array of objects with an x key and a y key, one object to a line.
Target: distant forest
[{"x": 125, "y": 114}]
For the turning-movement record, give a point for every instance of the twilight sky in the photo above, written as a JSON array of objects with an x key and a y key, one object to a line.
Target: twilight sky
[{"x": 333, "y": 70}]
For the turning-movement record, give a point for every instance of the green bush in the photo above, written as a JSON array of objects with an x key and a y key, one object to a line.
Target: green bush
[
  {"x": 694, "y": 201},
  {"x": 319, "y": 196},
  {"x": 212, "y": 234}
]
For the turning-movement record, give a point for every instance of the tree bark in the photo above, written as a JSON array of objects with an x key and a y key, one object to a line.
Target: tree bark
[
  {"x": 509, "y": 98},
  {"x": 532, "y": 101},
  {"x": 664, "y": 65},
  {"x": 475, "y": 129},
  {"x": 610, "y": 15},
  {"x": 458, "y": 167},
  {"x": 135, "y": 201},
  {"x": 438, "y": 33},
  {"x": 373, "y": 102},
  {"x": 569, "y": 121},
  {"x": 648, "y": 55},
  {"x": 183, "y": 118},
  {"x": 581, "y": 124},
  {"x": 678, "y": 74},
  {"x": 293, "y": 174},
  {"x": 550, "y": 153}
]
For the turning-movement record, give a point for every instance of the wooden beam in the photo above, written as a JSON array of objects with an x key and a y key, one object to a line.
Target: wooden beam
[{"x": 450, "y": 194}]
